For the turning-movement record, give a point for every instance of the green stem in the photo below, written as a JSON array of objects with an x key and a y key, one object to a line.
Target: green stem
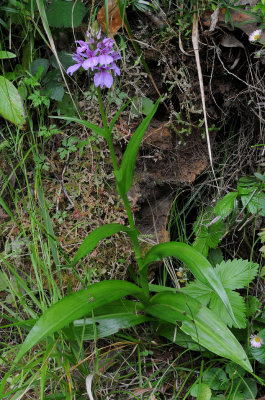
[
  {"x": 107, "y": 132},
  {"x": 134, "y": 234}
]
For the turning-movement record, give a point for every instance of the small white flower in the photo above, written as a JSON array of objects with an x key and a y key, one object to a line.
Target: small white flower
[
  {"x": 255, "y": 35},
  {"x": 256, "y": 341}
]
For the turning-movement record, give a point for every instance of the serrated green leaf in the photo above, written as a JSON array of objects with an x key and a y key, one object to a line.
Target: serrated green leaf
[
  {"x": 252, "y": 305},
  {"x": 200, "y": 243},
  {"x": 225, "y": 206},
  {"x": 200, "y": 323},
  {"x": 208, "y": 235},
  {"x": 246, "y": 182},
  {"x": 236, "y": 274},
  {"x": 216, "y": 379},
  {"x": 238, "y": 306},
  {"x": 75, "y": 306},
  {"x": 126, "y": 171},
  {"x": 252, "y": 195},
  {"x": 198, "y": 265},
  {"x": 11, "y": 104},
  {"x": 198, "y": 291},
  {"x": 206, "y": 296},
  {"x": 61, "y": 13},
  {"x": 94, "y": 237},
  {"x": 255, "y": 203}
]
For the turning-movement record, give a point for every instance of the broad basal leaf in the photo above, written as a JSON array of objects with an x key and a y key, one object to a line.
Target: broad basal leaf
[
  {"x": 200, "y": 323},
  {"x": 236, "y": 274},
  {"x": 108, "y": 324},
  {"x": 175, "y": 335},
  {"x": 198, "y": 265},
  {"x": 11, "y": 104},
  {"x": 75, "y": 306}
]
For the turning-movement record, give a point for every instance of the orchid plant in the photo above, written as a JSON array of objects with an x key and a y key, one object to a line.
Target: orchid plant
[{"x": 101, "y": 303}]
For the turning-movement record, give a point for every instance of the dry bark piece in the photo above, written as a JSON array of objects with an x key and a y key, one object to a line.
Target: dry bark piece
[{"x": 115, "y": 20}]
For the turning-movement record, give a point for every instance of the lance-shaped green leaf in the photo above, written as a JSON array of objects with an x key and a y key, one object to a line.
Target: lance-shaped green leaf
[
  {"x": 99, "y": 131},
  {"x": 125, "y": 174},
  {"x": 75, "y": 306},
  {"x": 6, "y": 54},
  {"x": 196, "y": 262},
  {"x": 118, "y": 113},
  {"x": 11, "y": 104},
  {"x": 200, "y": 323},
  {"x": 108, "y": 324},
  {"x": 110, "y": 318},
  {"x": 94, "y": 237}
]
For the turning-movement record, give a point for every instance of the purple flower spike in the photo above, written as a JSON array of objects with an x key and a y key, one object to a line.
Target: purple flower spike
[
  {"x": 103, "y": 78},
  {"x": 97, "y": 54}
]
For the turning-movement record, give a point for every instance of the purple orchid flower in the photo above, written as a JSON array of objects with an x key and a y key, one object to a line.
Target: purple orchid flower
[
  {"x": 91, "y": 61},
  {"x": 115, "y": 69},
  {"x": 103, "y": 78},
  {"x": 105, "y": 57},
  {"x": 99, "y": 55},
  {"x": 107, "y": 42},
  {"x": 75, "y": 67},
  {"x": 83, "y": 46}
]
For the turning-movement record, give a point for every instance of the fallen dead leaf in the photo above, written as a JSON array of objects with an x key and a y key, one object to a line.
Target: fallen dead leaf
[{"x": 115, "y": 20}]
